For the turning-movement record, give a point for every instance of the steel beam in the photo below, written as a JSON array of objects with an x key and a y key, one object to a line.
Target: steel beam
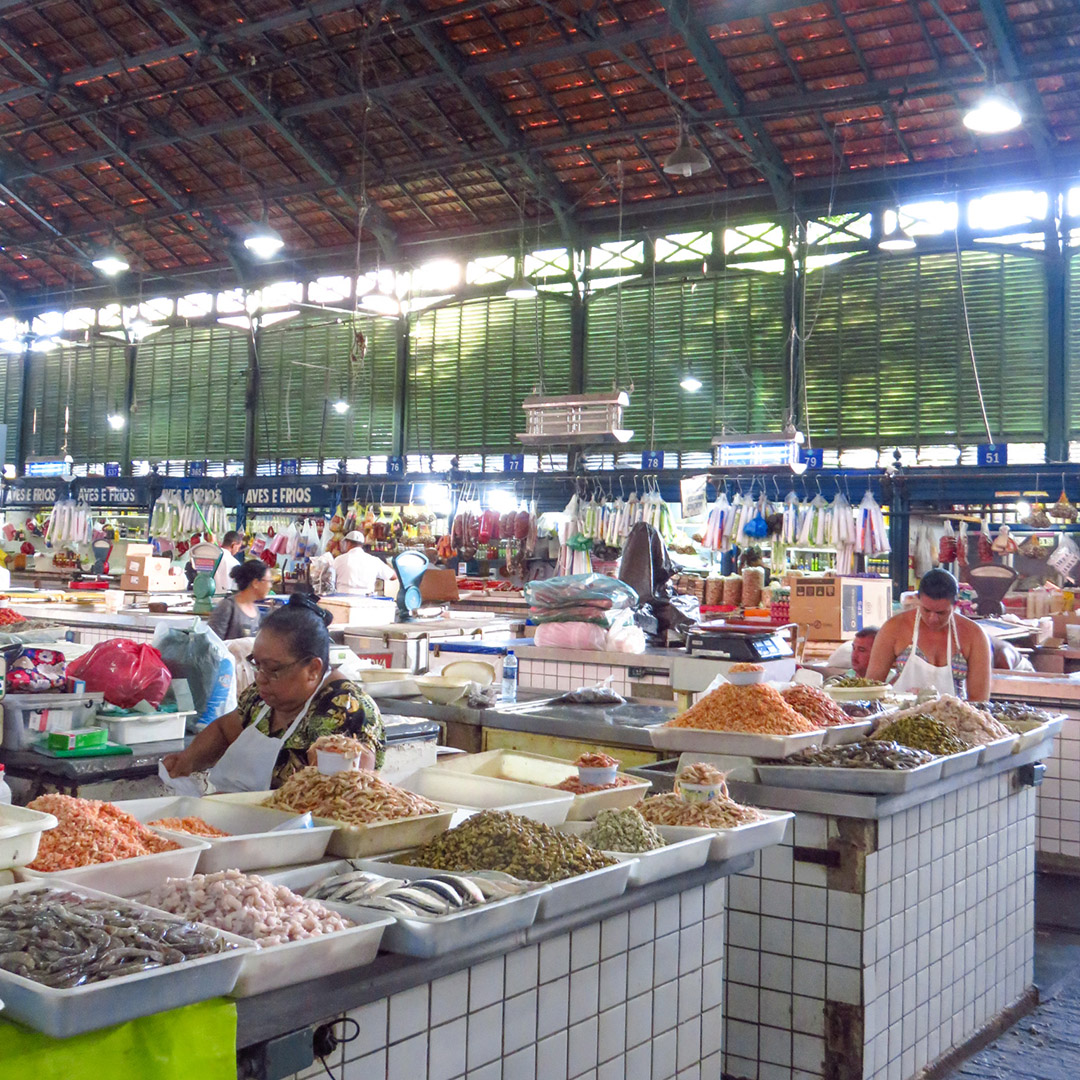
[
  {"x": 765, "y": 156},
  {"x": 314, "y": 155},
  {"x": 1012, "y": 60},
  {"x": 486, "y": 106}
]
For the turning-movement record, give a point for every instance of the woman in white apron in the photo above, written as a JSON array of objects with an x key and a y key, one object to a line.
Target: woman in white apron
[
  {"x": 932, "y": 647},
  {"x": 296, "y": 700}
]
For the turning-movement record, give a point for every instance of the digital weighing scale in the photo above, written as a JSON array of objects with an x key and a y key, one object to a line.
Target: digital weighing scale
[{"x": 712, "y": 648}]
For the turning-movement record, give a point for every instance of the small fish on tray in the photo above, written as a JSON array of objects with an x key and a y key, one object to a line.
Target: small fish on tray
[{"x": 439, "y": 894}]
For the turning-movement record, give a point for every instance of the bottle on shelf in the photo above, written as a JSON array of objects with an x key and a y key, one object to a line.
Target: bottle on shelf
[{"x": 509, "y": 677}]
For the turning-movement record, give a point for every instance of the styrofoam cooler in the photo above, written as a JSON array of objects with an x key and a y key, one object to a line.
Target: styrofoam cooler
[
  {"x": 451, "y": 652},
  {"x": 28, "y": 716}
]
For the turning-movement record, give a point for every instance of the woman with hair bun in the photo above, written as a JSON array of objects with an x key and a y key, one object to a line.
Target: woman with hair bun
[
  {"x": 297, "y": 698},
  {"x": 237, "y": 616}
]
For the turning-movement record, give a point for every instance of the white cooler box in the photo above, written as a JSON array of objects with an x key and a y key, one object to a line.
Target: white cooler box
[{"x": 28, "y": 716}]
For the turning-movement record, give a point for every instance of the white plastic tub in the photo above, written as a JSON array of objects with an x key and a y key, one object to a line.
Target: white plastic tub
[
  {"x": 682, "y": 853},
  {"x": 740, "y": 840},
  {"x": 127, "y": 877},
  {"x": 545, "y": 772},
  {"x": 250, "y": 845},
  {"x": 63, "y": 1013},
  {"x": 360, "y": 841},
  {"x": 145, "y": 728},
  {"x": 20, "y": 834},
  {"x": 473, "y": 792},
  {"x": 275, "y": 966}
]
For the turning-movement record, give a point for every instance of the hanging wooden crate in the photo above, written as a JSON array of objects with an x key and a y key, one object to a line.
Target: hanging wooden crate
[{"x": 580, "y": 419}]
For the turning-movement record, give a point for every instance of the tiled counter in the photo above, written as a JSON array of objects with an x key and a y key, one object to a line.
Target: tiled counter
[
  {"x": 632, "y": 988},
  {"x": 885, "y": 932},
  {"x": 1057, "y": 831}
]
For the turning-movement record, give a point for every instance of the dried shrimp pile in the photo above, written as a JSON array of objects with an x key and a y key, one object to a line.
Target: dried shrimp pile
[
  {"x": 91, "y": 832},
  {"x": 248, "y": 905},
  {"x": 722, "y": 812},
  {"x": 193, "y": 825},
  {"x": 815, "y": 705},
  {"x": 757, "y": 709},
  {"x": 576, "y": 787},
  {"x": 341, "y": 744},
  {"x": 975, "y": 727},
  {"x": 355, "y": 797},
  {"x": 596, "y": 761},
  {"x": 61, "y": 939},
  {"x": 742, "y": 666},
  {"x": 701, "y": 772}
]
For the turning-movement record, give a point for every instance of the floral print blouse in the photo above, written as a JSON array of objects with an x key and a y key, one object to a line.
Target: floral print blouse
[{"x": 340, "y": 708}]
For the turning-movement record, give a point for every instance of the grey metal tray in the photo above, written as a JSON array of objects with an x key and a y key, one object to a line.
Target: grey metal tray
[
  {"x": 951, "y": 764},
  {"x": 840, "y": 734},
  {"x": 864, "y": 781},
  {"x": 680, "y": 855}
]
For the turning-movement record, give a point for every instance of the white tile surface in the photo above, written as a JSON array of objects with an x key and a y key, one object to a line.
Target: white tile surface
[
  {"x": 485, "y": 1036},
  {"x": 408, "y": 1013},
  {"x": 446, "y": 1051}
]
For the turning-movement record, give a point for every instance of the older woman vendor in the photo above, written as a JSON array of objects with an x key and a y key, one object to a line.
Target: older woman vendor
[{"x": 296, "y": 700}]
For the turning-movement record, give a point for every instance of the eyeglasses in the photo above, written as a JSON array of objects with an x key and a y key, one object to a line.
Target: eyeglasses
[{"x": 274, "y": 671}]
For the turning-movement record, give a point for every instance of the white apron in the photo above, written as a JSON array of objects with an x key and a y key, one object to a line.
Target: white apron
[
  {"x": 918, "y": 674},
  {"x": 248, "y": 763}
]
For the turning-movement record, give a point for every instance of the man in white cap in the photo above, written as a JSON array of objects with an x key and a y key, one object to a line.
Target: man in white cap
[{"x": 356, "y": 571}]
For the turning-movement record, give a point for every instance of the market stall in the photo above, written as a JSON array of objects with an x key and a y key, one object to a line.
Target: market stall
[{"x": 590, "y": 954}]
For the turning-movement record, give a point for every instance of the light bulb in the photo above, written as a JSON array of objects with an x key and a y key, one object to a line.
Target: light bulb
[
  {"x": 993, "y": 114},
  {"x": 111, "y": 264},
  {"x": 116, "y": 421},
  {"x": 521, "y": 289},
  {"x": 690, "y": 383},
  {"x": 263, "y": 241},
  {"x": 341, "y": 406}
]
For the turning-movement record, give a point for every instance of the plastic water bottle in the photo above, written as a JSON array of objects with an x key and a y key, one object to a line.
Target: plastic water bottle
[
  {"x": 509, "y": 678},
  {"x": 5, "y": 791}
]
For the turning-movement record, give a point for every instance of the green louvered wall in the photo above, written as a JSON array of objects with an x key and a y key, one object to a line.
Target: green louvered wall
[
  {"x": 729, "y": 329},
  {"x": 472, "y": 364},
  {"x": 70, "y": 394},
  {"x": 887, "y": 358},
  {"x": 10, "y": 379},
  {"x": 305, "y": 367},
  {"x": 189, "y": 395}
]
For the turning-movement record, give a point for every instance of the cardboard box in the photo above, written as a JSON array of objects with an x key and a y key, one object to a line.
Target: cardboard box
[
  {"x": 151, "y": 573},
  {"x": 439, "y": 586},
  {"x": 834, "y": 608}
]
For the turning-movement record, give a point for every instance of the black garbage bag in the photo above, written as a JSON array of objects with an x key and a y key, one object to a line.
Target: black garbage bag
[{"x": 647, "y": 568}]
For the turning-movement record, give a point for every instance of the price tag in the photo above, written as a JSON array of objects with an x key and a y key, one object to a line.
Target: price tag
[
  {"x": 992, "y": 454},
  {"x": 112, "y": 468},
  {"x": 652, "y": 460},
  {"x": 513, "y": 462},
  {"x": 395, "y": 466},
  {"x": 812, "y": 459},
  {"x": 196, "y": 468},
  {"x": 694, "y": 491},
  {"x": 289, "y": 467}
]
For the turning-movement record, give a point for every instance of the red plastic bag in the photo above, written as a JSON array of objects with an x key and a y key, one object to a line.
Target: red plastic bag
[{"x": 124, "y": 671}]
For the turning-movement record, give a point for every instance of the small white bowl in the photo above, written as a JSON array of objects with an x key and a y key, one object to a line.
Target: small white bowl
[
  {"x": 441, "y": 690},
  {"x": 597, "y": 777},
  {"x": 697, "y": 793},
  {"x": 744, "y": 678},
  {"x": 330, "y": 762}
]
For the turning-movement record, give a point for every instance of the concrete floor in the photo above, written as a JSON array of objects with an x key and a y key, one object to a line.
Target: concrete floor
[{"x": 1046, "y": 1044}]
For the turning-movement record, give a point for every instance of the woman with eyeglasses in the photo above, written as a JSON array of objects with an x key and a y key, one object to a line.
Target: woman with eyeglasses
[{"x": 296, "y": 700}]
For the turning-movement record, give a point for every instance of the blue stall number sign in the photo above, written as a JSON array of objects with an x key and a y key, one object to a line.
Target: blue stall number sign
[
  {"x": 196, "y": 468},
  {"x": 290, "y": 466},
  {"x": 651, "y": 460},
  {"x": 112, "y": 469},
  {"x": 812, "y": 459},
  {"x": 395, "y": 466},
  {"x": 993, "y": 454},
  {"x": 513, "y": 462}
]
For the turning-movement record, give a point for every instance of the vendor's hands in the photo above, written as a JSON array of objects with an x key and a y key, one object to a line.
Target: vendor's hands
[{"x": 176, "y": 765}]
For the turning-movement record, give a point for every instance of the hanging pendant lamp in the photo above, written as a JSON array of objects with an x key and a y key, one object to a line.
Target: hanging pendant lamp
[{"x": 686, "y": 159}]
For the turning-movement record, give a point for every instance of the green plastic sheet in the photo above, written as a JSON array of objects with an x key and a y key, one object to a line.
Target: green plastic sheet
[{"x": 197, "y": 1042}]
